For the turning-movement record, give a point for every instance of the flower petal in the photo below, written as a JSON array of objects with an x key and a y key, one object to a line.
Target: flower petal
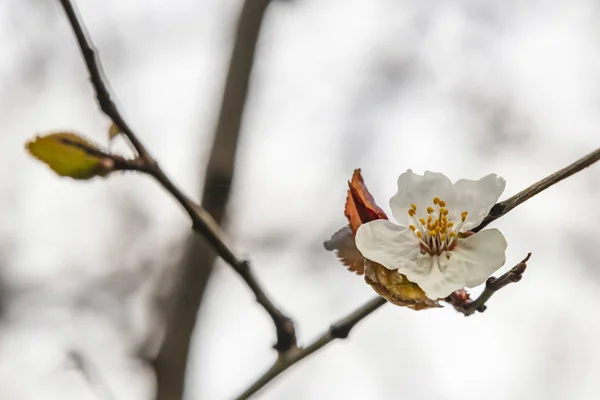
[
  {"x": 388, "y": 244},
  {"x": 419, "y": 190},
  {"x": 438, "y": 276},
  {"x": 482, "y": 254},
  {"x": 477, "y": 198}
]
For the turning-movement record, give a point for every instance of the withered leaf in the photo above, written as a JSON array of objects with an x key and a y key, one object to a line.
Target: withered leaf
[
  {"x": 342, "y": 242},
  {"x": 360, "y": 205},
  {"x": 113, "y": 131}
]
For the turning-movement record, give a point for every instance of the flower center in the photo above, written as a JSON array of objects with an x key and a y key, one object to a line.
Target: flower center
[{"x": 436, "y": 233}]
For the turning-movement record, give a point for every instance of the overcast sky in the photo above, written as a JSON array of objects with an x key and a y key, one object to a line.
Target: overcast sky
[{"x": 462, "y": 87}]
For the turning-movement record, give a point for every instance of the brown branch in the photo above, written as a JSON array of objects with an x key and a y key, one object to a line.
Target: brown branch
[
  {"x": 502, "y": 208},
  {"x": 202, "y": 222},
  {"x": 99, "y": 82},
  {"x": 463, "y": 304},
  {"x": 339, "y": 330},
  {"x": 196, "y": 265}
]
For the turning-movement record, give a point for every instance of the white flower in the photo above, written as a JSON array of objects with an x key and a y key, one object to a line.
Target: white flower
[{"x": 427, "y": 247}]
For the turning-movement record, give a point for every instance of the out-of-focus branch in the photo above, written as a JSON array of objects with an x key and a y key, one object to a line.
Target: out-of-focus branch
[
  {"x": 92, "y": 375},
  {"x": 198, "y": 260},
  {"x": 339, "y": 330},
  {"x": 505, "y": 206},
  {"x": 463, "y": 304},
  {"x": 220, "y": 171}
]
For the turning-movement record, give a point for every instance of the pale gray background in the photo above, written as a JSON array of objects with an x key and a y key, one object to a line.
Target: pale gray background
[{"x": 462, "y": 87}]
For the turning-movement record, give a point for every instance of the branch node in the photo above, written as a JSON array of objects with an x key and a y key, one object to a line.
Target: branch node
[
  {"x": 340, "y": 331},
  {"x": 286, "y": 336}
]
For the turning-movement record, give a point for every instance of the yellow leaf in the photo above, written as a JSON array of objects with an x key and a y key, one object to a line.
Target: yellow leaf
[
  {"x": 69, "y": 154},
  {"x": 113, "y": 131}
]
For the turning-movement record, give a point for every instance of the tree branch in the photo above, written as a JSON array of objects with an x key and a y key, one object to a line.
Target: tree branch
[
  {"x": 99, "y": 82},
  {"x": 460, "y": 299},
  {"x": 197, "y": 262},
  {"x": 502, "y": 208},
  {"x": 339, "y": 330},
  {"x": 202, "y": 222}
]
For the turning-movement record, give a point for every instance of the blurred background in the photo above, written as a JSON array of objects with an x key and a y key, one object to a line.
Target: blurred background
[{"x": 463, "y": 87}]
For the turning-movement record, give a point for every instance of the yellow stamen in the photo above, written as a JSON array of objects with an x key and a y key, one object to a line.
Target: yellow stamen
[
  {"x": 422, "y": 221},
  {"x": 429, "y": 210},
  {"x": 429, "y": 219},
  {"x": 464, "y": 215},
  {"x": 436, "y": 200},
  {"x": 419, "y": 234},
  {"x": 452, "y": 234},
  {"x": 450, "y": 224},
  {"x": 412, "y": 227},
  {"x": 431, "y": 233},
  {"x": 411, "y": 212},
  {"x": 413, "y": 206},
  {"x": 443, "y": 237},
  {"x": 442, "y": 203}
]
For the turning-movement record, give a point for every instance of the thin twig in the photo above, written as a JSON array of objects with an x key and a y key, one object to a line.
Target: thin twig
[
  {"x": 202, "y": 222},
  {"x": 505, "y": 206},
  {"x": 99, "y": 81},
  {"x": 339, "y": 330},
  {"x": 464, "y": 305}
]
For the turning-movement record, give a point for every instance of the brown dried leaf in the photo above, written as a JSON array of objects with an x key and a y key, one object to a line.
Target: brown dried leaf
[
  {"x": 342, "y": 242},
  {"x": 396, "y": 288},
  {"x": 113, "y": 131},
  {"x": 360, "y": 205}
]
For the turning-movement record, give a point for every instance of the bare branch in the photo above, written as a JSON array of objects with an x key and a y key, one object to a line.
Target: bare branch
[
  {"x": 339, "y": 330},
  {"x": 99, "y": 82},
  {"x": 194, "y": 270},
  {"x": 463, "y": 304},
  {"x": 505, "y": 206},
  {"x": 202, "y": 222}
]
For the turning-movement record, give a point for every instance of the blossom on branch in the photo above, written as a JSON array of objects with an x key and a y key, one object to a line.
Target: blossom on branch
[{"x": 433, "y": 245}]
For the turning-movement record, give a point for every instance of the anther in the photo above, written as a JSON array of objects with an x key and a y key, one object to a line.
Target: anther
[
  {"x": 412, "y": 227},
  {"x": 411, "y": 212},
  {"x": 442, "y": 203},
  {"x": 436, "y": 200},
  {"x": 413, "y": 206},
  {"x": 419, "y": 234},
  {"x": 429, "y": 210},
  {"x": 464, "y": 215}
]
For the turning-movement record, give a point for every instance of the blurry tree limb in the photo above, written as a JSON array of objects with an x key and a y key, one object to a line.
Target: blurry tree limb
[
  {"x": 507, "y": 205},
  {"x": 339, "y": 330},
  {"x": 219, "y": 170},
  {"x": 197, "y": 262},
  {"x": 91, "y": 374},
  {"x": 460, "y": 299}
]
